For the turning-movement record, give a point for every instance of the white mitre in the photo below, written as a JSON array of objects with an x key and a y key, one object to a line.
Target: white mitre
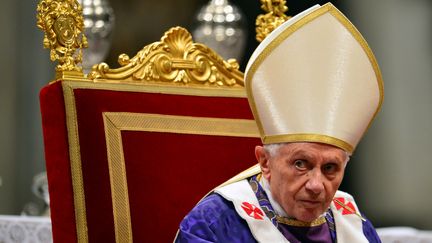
[{"x": 314, "y": 79}]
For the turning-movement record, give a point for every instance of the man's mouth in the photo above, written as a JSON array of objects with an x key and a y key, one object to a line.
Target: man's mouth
[{"x": 310, "y": 203}]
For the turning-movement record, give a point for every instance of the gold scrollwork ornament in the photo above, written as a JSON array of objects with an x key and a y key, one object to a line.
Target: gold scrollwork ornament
[
  {"x": 275, "y": 16},
  {"x": 63, "y": 24},
  {"x": 174, "y": 59}
]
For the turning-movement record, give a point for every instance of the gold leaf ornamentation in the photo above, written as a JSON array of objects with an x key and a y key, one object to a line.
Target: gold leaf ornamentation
[
  {"x": 275, "y": 16},
  {"x": 63, "y": 24},
  {"x": 175, "y": 59}
]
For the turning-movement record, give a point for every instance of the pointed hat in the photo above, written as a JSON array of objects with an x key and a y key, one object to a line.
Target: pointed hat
[{"x": 314, "y": 79}]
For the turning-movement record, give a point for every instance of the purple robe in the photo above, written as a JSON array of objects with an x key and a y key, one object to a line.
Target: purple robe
[{"x": 215, "y": 219}]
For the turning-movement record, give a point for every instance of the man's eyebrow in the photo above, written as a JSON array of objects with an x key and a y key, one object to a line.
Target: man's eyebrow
[
  {"x": 299, "y": 152},
  {"x": 305, "y": 153},
  {"x": 335, "y": 159}
]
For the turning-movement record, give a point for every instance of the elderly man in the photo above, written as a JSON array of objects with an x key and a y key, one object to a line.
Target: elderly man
[{"x": 314, "y": 87}]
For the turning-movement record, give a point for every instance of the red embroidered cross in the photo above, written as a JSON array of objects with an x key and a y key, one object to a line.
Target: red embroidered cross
[
  {"x": 252, "y": 210},
  {"x": 348, "y": 208}
]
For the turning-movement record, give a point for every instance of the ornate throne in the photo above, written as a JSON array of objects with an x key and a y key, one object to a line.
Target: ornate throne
[{"x": 130, "y": 150}]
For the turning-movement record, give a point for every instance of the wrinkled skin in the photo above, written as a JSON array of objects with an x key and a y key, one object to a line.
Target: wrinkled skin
[{"x": 303, "y": 177}]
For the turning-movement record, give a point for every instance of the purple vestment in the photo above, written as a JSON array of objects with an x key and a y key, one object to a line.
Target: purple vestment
[{"x": 215, "y": 219}]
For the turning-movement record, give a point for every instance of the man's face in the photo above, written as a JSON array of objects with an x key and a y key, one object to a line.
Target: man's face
[{"x": 303, "y": 177}]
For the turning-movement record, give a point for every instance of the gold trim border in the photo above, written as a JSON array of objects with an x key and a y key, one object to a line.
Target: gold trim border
[
  {"x": 191, "y": 89},
  {"x": 116, "y": 122},
  {"x": 326, "y": 8},
  {"x": 148, "y": 122},
  {"x": 118, "y": 180},
  {"x": 75, "y": 160}
]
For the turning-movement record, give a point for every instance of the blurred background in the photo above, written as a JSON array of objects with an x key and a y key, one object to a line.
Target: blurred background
[{"x": 389, "y": 174}]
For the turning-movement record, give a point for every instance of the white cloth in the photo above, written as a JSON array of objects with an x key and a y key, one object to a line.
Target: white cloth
[{"x": 25, "y": 229}]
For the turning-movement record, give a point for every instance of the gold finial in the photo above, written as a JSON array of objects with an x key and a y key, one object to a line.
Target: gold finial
[
  {"x": 63, "y": 24},
  {"x": 173, "y": 59},
  {"x": 275, "y": 16}
]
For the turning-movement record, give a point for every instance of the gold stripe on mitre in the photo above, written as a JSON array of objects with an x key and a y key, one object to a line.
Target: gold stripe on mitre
[{"x": 309, "y": 138}]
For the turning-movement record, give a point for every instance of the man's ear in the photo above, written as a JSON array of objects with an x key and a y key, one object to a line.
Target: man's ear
[{"x": 263, "y": 157}]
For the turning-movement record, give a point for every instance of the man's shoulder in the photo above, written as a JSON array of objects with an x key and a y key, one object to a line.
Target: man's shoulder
[
  {"x": 215, "y": 212},
  {"x": 211, "y": 208},
  {"x": 214, "y": 219}
]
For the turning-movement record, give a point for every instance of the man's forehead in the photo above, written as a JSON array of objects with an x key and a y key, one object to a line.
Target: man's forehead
[{"x": 312, "y": 147}]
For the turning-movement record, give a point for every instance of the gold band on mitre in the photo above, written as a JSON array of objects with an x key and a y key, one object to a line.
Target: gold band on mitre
[
  {"x": 314, "y": 79},
  {"x": 317, "y": 138}
]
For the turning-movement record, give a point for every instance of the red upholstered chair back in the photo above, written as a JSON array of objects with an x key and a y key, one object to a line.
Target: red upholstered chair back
[{"x": 130, "y": 151}]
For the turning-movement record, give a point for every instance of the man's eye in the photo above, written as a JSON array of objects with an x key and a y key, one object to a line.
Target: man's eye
[
  {"x": 329, "y": 168},
  {"x": 300, "y": 164}
]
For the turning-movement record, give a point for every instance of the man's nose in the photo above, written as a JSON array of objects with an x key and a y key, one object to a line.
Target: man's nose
[{"x": 315, "y": 183}]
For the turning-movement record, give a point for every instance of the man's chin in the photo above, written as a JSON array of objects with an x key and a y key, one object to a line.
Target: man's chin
[{"x": 308, "y": 216}]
